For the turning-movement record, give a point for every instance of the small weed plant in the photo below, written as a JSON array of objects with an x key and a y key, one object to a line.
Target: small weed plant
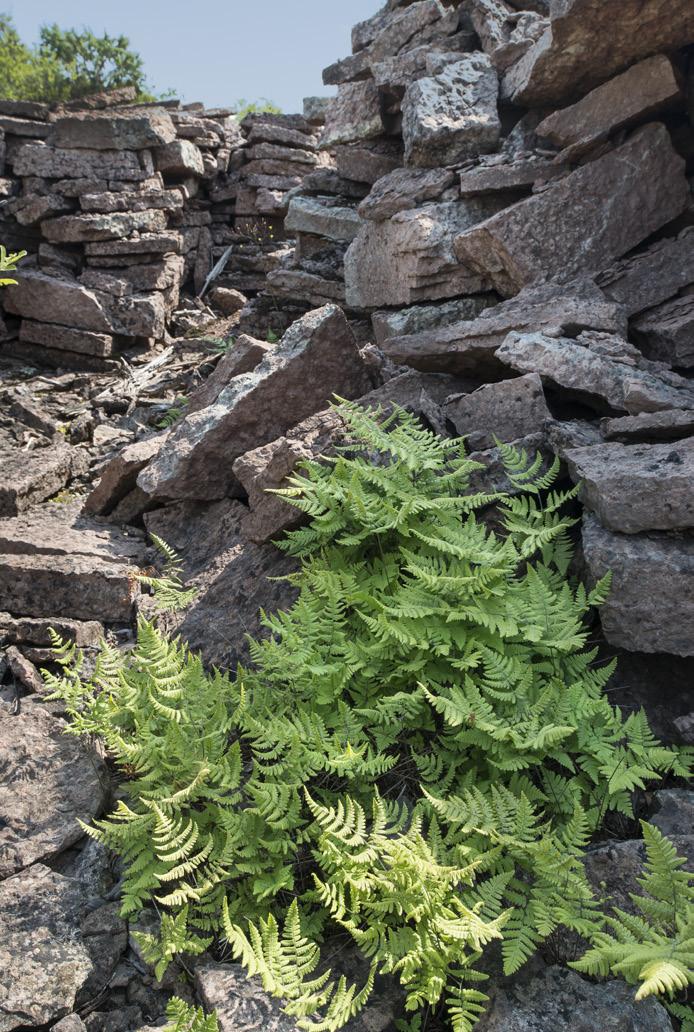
[{"x": 417, "y": 754}]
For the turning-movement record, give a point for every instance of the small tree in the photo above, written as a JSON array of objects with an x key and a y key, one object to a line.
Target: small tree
[{"x": 66, "y": 64}]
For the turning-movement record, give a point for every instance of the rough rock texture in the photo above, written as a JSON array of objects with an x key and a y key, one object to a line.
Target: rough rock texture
[
  {"x": 316, "y": 358},
  {"x": 641, "y": 91},
  {"x": 560, "y": 1000},
  {"x": 588, "y": 41},
  {"x": 118, "y": 477},
  {"x": 598, "y": 368},
  {"x": 666, "y": 333},
  {"x": 54, "y": 946},
  {"x": 410, "y": 257},
  {"x": 470, "y": 344},
  {"x": 652, "y": 276},
  {"x": 232, "y": 577},
  {"x": 583, "y": 221},
  {"x": 122, "y": 131},
  {"x": 353, "y": 115},
  {"x": 402, "y": 189},
  {"x": 505, "y": 34},
  {"x": 451, "y": 115},
  {"x": 31, "y": 477},
  {"x": 50, "y": 781},
  {"x": 651, "y": 604},
  {"x": 239, "y": 1002},
  {"x": 507, "y": 410},
  {"x": 635, "y": 487}
]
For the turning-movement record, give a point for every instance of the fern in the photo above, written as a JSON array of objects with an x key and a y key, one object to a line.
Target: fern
[
  {"x": 416, "y": 756},
  {"x": 183, "y": 1018},
  {"x": 654, "y": 951},
  {"x": 169, "y": 592}
]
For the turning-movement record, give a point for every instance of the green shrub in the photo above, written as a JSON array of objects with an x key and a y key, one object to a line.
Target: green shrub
[
  {"x": 66, "y": 64},
  {"x": 417, "y": 755}
]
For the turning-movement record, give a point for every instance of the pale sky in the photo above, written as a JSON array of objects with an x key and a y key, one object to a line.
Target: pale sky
[{"x": 216, "y": 51}]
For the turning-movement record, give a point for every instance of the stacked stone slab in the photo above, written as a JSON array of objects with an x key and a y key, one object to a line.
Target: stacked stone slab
[
  {"x": 121, "y": 206},
  {"x": 511, "y": 196}
]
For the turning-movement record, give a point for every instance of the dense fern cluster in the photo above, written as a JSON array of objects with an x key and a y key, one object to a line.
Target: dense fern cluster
[{"x": 417, "y": 754}]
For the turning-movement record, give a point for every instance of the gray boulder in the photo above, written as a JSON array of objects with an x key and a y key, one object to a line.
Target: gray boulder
[
  {"x": 316, "y": 358},
  {"x": 635, "y": 487},
  {"x": 452, "y": 114},
  {"x": 556, "y": 233},
  {"x": 651, "y": 605},
  {"x": 50, "y": 781}
]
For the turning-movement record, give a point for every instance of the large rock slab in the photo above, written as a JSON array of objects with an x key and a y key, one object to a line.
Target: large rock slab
[
  {"x": 56, "y": 950},
  {"x": 401, "y": 321},
  {"x": 589, "y": 40},
  {"x": 316, "y": 358},
  {"x": 234, "y": 578},
  {"x": 353, "y": 115},
  {"x": 410, "y": 257},
  {"x": 670, "y": 425},
  {"x": 35, "y": 159},
  {"x": 635, "y": 487},
  {"x": 584, "y": 221},
  {"x": 560, "y": 1000},
  {"x": 599, "y": 369},
  {"x": 76, "y": 229},
  {"x": 638, "y": 93},
  {"x": 451, "y": 115},
  {"x": 402, "y": 189},
  {"x": 50, "y": 781},
  {"x": 68, "y": 303},
  {"x": 651, "y": 604},
  {"x": 469, "y": 344},
  {"x": 243, "y": 356},
  {"x": 82, "y": 342},
  {"x": 29, "y": 477},
  {"x": 82, "y": 587},
  {"x": 312, "y": 215},
  {"x": 652, "y": 276},
  {"x": 180, "y": 158},
  {"x": 122, "y": 130},
  {"x": 506, "y": 411},
  {"x": 666, "y": 333}
]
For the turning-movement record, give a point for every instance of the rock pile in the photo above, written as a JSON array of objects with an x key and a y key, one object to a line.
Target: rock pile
[{"x": 491, "y": 224}]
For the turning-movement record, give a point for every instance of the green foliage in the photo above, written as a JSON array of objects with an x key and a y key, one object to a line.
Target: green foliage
[
  {"x": 653, "y": 949},
  {"x": 8, "y": 263},
  {"x": 255, "y": 107},
  {"x": 66, "y": 64},
  {"x": 183, "y": 1018},
  {"x": 173, "y": 413},
  {"x": 169, "y": 591},
  {"x": 416, "y": 756}
]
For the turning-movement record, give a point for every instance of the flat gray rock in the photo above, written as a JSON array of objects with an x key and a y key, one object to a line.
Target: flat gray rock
[
  {"x": 651, "y": 605},
  {"x": 316, "y": 358},
  {"x": 636, "y": 487},
  {"x": 555, "y": 233},
  {"x": 559, "y": 1000},
  {"x": 598, "y": 368},
  {"x": 639, "y": 93},
  {"x": 58, "y": 948},
  {"x": 410, "y": 257},
  {"x": 50, "y": 780},
  {"x": 507, "y": 411}
]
